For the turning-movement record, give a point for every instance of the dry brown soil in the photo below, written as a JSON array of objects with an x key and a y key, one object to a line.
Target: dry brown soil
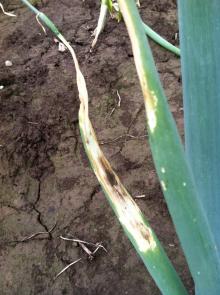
[{"x": 45, "y": 177}]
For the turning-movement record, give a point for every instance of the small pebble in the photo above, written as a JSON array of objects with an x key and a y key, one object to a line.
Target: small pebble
[
  {"x": 8, "y": 63},
  {"x": 61, "y": 47},
  {"x": 1, "y": 87}
]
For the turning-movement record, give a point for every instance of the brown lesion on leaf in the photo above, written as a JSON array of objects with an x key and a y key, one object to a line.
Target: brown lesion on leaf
[
  {"x": 108, "y": 171},
  {"x": 145, "y": 232},
  {"x": 130, "y": 216},
  {"x": 127, "y": 210}
]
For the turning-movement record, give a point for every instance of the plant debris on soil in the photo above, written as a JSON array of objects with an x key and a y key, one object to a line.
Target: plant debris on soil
[{"x": 45, "y": 177}]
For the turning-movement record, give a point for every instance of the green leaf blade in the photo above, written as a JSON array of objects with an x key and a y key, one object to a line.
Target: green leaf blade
[
  {"x": 200, "y": 46},
  {"x": 171, "y": 164},
  {"x": 160, "y": 40},
  {"x": 200, "y": 28}
]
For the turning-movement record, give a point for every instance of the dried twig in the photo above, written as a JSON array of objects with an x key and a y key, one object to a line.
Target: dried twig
[
  {"x": 32, "y": 123},
  {"x": 76, "y": 241},
  {"x": 171, "y": 245},
  {"x": 84, "y": 247},
  {"x": 123, "y": 136},
  {"x": 6, "y": 13},
  {"x": 66, "y": 267},
  {"x": 119, "y": 98},
  {"x": 98, "y": 246},
  {"x": 140, "y": 197},
  {"x": 136, "y": 137},
  {"x": 37, "y": 234},
  {"x": 118, "y": 104}
]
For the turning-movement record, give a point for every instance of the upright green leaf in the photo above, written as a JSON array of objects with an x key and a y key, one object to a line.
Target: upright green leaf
[
  {"x": 200, "y": 42},
  {"x": 173, "y": 170},
  {"x": 200, "y": 46}
]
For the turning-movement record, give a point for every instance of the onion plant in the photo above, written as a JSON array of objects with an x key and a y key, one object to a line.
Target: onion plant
[
  {"x": 200, "y": 43},
  {"x": 184, "y": 178},
  {"x": 116, "y": 13}
]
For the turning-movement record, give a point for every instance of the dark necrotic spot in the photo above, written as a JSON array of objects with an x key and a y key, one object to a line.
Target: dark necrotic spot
[{"x": 108, "y": 171}]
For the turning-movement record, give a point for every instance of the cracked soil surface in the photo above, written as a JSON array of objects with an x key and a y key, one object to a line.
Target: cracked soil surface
[{"x": 45, "y": 178}]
